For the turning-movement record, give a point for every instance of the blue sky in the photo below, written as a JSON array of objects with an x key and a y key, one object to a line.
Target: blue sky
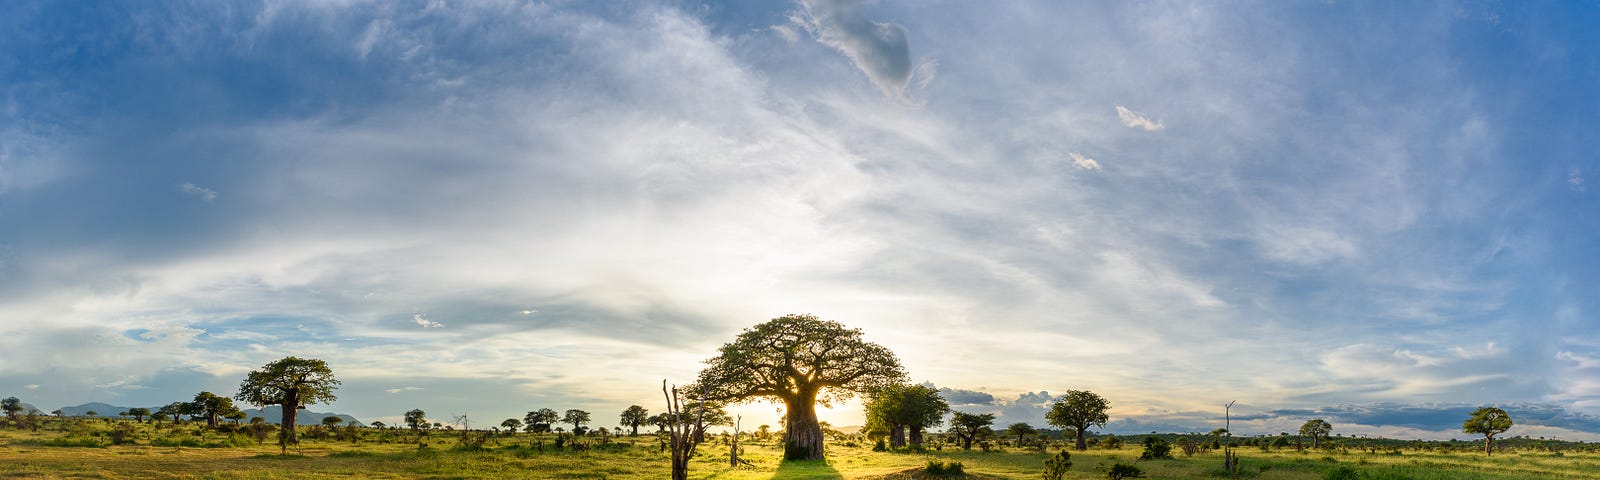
[{"x": 1375, "y": 213}]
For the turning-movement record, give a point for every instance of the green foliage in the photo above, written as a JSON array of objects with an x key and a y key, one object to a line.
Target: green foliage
[
  {"x": 1055, "y": 468},
  {"x": 416, "y": 418},
  {"x": 575, "y": 417},
  {"x": 1111, "y": 442},
  {"x": 970, "y": 426},
  {"x": 937, "y": 468},
  {"x": 634, "y": 416},
  {"x": 1119, "y": 471},
  {"x": 1156, "y": 448},
  {"x": 1079, "y": 410},
  {"x": 539, "y": 420},
  {"x": 1341, "y": 473},
  {"x": 1487, "y": 421},
  {"x": 906, "y": 406},
  {"x": 880, "y": 446},
  {"x": 307, "y": 380},
  {"x": 1316, "y": 429}
]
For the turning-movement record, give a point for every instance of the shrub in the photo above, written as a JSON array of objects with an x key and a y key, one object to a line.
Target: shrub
[
  {"x": 941, "y": 469},
  {"x": 1111, "y": 442},
  {"x": 1156, "y": 448},
  {"x": 1341, "y": 473},
  {"x": 1056, "y": 468},
  {"x": 880, "y": 446},
  {"x": 1120, "y": 471}
]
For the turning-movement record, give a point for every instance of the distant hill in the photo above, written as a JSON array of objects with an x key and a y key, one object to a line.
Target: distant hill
[{"x": 272, "y": 414}]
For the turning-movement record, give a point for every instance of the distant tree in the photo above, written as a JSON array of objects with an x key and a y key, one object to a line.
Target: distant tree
[
  {"x": 331, "y": 421},
  {"x": 291, "y": 383},
  {"x": 379, "y": 424},
  {"x": 1020, "y": 430},
  {"x": 57, "y": 412},
  {"x": 91, "y": 414},
  {"x": 660, "y": 421},
  {"x": 236, "y": 415},
  {"x": 540, "y": 420},
  {"x": 635, "y": 416},
  {"x": 511, "y": 425},
  {"x": 211, "y": 407},
  {"x": 764, "y": 431},
  {"x": 1487, "y": 421},
  {"x": 1316, "y": 429},
  {"x": 577, "y": 418},
  {"x": 12, "y": 406},
  {"x": 176, "y": 410},
  {"x": 969, "y": 426},
  {"x": 416, "y": 418},
  {"x": 801, "y": 360},
  {"x": 901, "y": 407},
  {"x": 1079, "y": 410},
  {"x": 138, "y": 414},
  {"x": 158, "y": 416}
]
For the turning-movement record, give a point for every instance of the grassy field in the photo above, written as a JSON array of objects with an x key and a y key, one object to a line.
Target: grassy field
[{"x": 85, "y": 452}]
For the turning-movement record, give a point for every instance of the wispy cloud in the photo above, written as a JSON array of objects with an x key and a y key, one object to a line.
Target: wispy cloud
[
  {"x": 878, "y": 49},
  {"x": 1133, "y": 119},
  {"x": 1575, "y": 180},
  {"x": 421, "y": 319},
  {"x": 1082, "y": 162},
  {"x": 403, "y": 389},
  {"x": 204, "y": 193}
]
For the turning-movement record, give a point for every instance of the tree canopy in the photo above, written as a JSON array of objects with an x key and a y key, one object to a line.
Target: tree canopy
[
  {"x": 575, "y": 417},
  {"x": 970, "y": 426},
  {"x": 291, "y": 382},
  {"x": 634, "y": 416},
  {"x": 1487, "y": 421},
  {"x": 1079, "y": 410},
  {"x": 540, "y": 420},
  {"x": 802, "y": 361},
  {"x": 1316, "y": 429},
  {"x": 898, "y": 407}
]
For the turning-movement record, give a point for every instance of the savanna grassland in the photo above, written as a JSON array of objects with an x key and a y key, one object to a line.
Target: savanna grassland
[{"x": 84, "y": 448}]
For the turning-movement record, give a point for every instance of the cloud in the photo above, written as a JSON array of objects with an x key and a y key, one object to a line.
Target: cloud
[
  {"x": 1133, "y": 119},
  {"x": 204, "y": 193},
  {"x": 31, "y": 386},
  {"x": 1082, "y": 162},
  {"x": 403, "y": 389},
  {"x": 1575, "y": 180},
  {"x": 959, "y": 397},
  {"x": 422, "y": 320},
  {"x": 880, "y": 50}
]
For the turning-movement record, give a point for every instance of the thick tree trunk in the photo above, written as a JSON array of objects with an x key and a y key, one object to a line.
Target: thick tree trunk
[
  {"x": 635, "y": 429},
  {"x": 897, "y": 436},
  {"x": 916, "y": 435},
  {"x": 1082, "y": 443},
  {"x": 291, "y": 408},
  {"x": 802, "y": 435},
  {"x": 211, "y": 419},
  {"x": 1488, "y": 445}
]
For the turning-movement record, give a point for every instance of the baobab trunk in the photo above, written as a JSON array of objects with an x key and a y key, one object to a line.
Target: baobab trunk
[
  {"x": 916, "y": 435},
  {"x": 897, "y": 436},
  {"x": 291, "y": 408},
  {"x": 802, "y": 434},
  {"x": 1082, "y": 443}
]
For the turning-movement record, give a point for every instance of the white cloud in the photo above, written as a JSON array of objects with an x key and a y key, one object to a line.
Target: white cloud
[
  {"x": 204, "y": 193},
  {"x": 422, "y": 320},
  {"x": 1575, "y": 180},
  {"x": 31, "y": 386},
  {"x": 1082, "y": 162},
  {"x": 879, "y": 49},
  {"x": 1134, "y": 120},
  {"x": 403, "y": 389}
]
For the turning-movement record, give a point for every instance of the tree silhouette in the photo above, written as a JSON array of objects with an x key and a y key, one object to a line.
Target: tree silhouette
[
  {"x": 291, "y": 383},
  {"x": 139, "y": 414},
  {"x": 801, "y": 361},
  {"x": 12, "y": 406},
  {"x": 635, "y": 416},
  {"x": 511, "y": 425},
  {"x": 577, "y": 418},
  {"x": 540, "y": 420},
  {"x": 1316, "y": 429},
  {"x": 1020, "y": 430},
  {"x": 1079, "y": 410},
  {"x": 1487, "y": 421},
  {"x": 416, "y": 418},
  {"x": 899, "y": 407}
]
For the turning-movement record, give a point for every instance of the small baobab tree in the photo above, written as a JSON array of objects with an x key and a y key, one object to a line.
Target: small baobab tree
[
  {"x": 1316, "y": 429},
  {"x": 1079, "y": 410},
  {"x": 635, "y": 416}
]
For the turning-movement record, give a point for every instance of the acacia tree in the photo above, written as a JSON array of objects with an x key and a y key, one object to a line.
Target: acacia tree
[
  {"x": 211, "y": 406},
  {"x": 801, "y": 361},
  {"x": 577, "y": 418},
  {"x": 1316, "y": 429},
  {"x": 1487, "y": 421},
  {"x": 635, "y": 416},
  {"x": 540, "y": 420},
  {"x": 290, "y": 383},
  {"x": 139, "y": 413},
  {"x": 1021, "y": 431},
  {"x": 416, "y": 418},
  {"x": 1079, "y": 410},
  {"x": 511, "y": 425},
  {"x": 900, "y": 407},
  {"x": 12, "y": 406},
  {"x": 968, "y": 426}
]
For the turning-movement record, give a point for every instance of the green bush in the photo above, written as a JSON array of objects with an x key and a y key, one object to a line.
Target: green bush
[
  {"x": 941, "y": 469},
  {"x": 1120, "y": 471},
  {"x": 1341, "y": 473},
  {"x": 1055, "y": 468},
  {"x": 880, "y": 446},
  {"x": 1156, "y": 448}
]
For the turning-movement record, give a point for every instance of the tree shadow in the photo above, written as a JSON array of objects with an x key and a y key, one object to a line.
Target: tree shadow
[{"x": 805, "y": 469}]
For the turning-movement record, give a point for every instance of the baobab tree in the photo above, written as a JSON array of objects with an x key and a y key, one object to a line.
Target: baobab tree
[
  {"x": 901, "y": 407},
  {"x": 1487, "y": 421},
  {"x": 290, "y": 383},
  {"x": 416, "y": 418},
  {"x": 635, "y": 416},
  {"x": 211, "y": 407},
  {"x": 577, "y": 418},
  {"x": 1079, "y": 410},
  {"x": 801, "y": 361},
  {"x": 539, "y": 420},
  {"x": 1316, "y": 429}
]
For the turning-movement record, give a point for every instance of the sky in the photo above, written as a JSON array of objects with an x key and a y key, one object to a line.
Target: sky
[{"x": 1376, "y": 213}]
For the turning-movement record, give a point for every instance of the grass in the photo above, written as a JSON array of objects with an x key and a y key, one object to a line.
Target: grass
[{"x": 81, "y": 452}]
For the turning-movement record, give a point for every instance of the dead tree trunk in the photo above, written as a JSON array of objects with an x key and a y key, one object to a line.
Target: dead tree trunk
[{"x": 683, "y": 434}]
